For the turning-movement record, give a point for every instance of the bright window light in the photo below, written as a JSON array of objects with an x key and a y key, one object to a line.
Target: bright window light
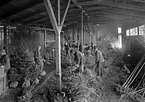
[
  {"x": 119, "y": 30},
  {"x": 142, "y": 30},
  {"x": 133, "y": 31},
  {"x": 127, "y": 33},
  {"x": 120, "y": 41}
]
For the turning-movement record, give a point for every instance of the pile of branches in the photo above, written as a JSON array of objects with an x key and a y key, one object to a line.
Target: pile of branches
[
  {"x": 22, "y": 67},
  {"x": 24, "y": 74},
  {"x": 76, "y": 87}
]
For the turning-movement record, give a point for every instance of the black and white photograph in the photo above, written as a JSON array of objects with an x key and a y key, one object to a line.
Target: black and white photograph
[{"x": 72, "y": 50}]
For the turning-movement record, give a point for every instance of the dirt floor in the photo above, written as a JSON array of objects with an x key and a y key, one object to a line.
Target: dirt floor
[{"x": 109, "y": 95}]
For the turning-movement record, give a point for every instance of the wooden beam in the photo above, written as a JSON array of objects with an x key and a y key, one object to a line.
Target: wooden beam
[
  {"x": 30, "y": 15},
  {"x": 113, "y": 17},
  {"x": 5, "y": 35},
  {"x": 118, "y": 18},
  {"x": 34, "y": 18},
  {"x": 124, "y": 16},
  {"x": 58, "y": 11},
  {"x": 108, "y": 12},
  {"x": 46, "y": 19},
  {"x": 123, "y": 11},
  {"x": 39, "y": 25},
  {"x": 68, "y": 22},
  {"x": 57, "y": 27},
  {"x": 112, "y": 14},
  {"x": 72, "y": 19},
  {"x": 126, "y": 13},
  {"x": 57, "y": 31},
  {"x": 82, "y": 39},
  {"x": 112, "y": 4},
  {"x": 95, "y": 8},
  {"x": 69, "y": 15},
  {"x": 17, "y": 10},
  {"x": 90, "y": 30},
  {"x": 63, "y": 19},
  {"x": 79, "y": 6},
  {"x": 38, "y": 12}
]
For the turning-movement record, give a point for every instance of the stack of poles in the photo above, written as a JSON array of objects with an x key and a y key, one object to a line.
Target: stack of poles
[{"x": 135, "y": 73}]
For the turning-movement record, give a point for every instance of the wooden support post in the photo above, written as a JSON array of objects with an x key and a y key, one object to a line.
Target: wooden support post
[
  {"x": 44, "y": 38},
  {"x": 89, "y": 31},
  {"x": 5, "y": 35},
  {"x": 63, "y": 40},
  {"x": 58, "y": 11},
  {"x": 5, "y": 38},
  {"x": 63, "y": 19},
  {"x": 58, "y": 57},
  {"x": 57, "y": 31},
  {"x": 82, "y": 30},
  {"x": 57, "y": 27},
  {"x": 82, "y": 38}
]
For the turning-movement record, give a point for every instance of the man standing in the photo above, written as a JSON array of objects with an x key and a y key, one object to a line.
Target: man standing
[
  {"x": 99, "y": 60},
  {"x": 38, "y": 59},
  {"x": 5, "y": 66},
  {"x": 66, "y": 48}
]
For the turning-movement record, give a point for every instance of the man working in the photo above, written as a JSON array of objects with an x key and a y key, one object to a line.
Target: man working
[
  {"x": 78, "y": 57},
  {"x": 66, "y": 48},
  {"x": 99, "y": 60},
  {"x": 5, "y": 65}
]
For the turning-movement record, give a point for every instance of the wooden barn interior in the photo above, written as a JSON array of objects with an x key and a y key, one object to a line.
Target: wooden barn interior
[{"x": 39, "y": 39}]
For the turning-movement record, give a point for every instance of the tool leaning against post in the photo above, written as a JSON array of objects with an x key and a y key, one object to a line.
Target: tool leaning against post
[
  {"x": 133, "y": 73},
  {"x": 134, "y": 93}
]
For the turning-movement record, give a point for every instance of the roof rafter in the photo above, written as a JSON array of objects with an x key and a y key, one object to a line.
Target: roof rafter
[
  {"x": 42, "y": 12},
  {"x": 123, "y": 16},
  {"x": 112, "y": 16},
  {"x": 46, "y": 19},
  {"x": 118, "y": 18},
  {"x": 95, "y": 8},
  {"x": 30, "y": 15},
  {"x": 28, "y": 18},
  {"x": 29, "y": 5},
  {"x": 71, "y": 18},
  {"x": 34, "y": 19},
  {"x": 111, "y": 3},
  {"x": 123, "y": 11}
]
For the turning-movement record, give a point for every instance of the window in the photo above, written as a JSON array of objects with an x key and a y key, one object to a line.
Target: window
[
  {"x": 119, "y": 30},
  {"x": 120, "y": 41},
  {"x": 133, "y": 31},
  {"x": 127, "y": 33},
  {"x": 1, "y": 35},
  {"x": 142, "y": 30}
]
